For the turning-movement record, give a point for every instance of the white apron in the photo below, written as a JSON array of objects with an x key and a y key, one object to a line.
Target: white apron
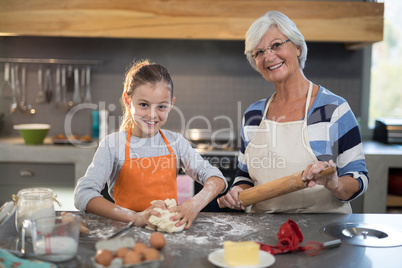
[{"x": 280, "y": 149}]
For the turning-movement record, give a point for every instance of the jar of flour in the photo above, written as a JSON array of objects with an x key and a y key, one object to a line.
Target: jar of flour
[{"x": 32, "y": 204}]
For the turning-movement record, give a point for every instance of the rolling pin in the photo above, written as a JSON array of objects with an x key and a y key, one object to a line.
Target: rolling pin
[{"x": 275, "y": 188}]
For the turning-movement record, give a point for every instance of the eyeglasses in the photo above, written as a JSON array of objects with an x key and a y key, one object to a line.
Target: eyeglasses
[{"x": 258, "y": 54}]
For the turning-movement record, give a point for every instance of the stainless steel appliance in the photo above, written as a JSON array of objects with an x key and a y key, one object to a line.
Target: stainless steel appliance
[{"x": 219, "y": 148}]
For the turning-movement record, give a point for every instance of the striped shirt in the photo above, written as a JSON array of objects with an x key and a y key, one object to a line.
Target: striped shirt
[{"x": 333, "y": 133}]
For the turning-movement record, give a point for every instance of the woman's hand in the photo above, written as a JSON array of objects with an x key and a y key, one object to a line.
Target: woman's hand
[
  {"x": 311, "y": 175},
  {"x": 231, "y": 199}
]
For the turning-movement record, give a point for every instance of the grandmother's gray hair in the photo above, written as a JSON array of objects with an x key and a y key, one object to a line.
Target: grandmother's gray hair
[{"x": 284, "y": 24}]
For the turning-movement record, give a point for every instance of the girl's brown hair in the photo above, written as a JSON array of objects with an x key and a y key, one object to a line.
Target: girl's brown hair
[{"x": 141, "y": 73}]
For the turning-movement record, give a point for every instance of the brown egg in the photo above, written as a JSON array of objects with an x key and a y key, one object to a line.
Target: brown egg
[
  {"x": 104, "y": 257},
  {"x": 132, "y": 257},
  {"x": 157, "y": 240},
  {"x": 121, "y": 252},
  {"x": 140, "y": 247},
  {"x": 151, "y": 254}
]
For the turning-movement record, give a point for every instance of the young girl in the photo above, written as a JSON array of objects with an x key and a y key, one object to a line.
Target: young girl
[{"x": 140, "y": 162}]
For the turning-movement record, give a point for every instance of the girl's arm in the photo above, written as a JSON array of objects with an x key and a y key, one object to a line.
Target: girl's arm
[
  {"x": 104, "y": 208},
  {"x": 189, "y": 210}
]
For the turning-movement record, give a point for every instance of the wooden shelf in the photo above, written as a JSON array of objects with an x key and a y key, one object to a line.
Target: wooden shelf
[{"x": 354, "y": 23}]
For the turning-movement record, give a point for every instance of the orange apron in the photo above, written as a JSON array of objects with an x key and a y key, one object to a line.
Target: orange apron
[{"x": 142, "y": 180}]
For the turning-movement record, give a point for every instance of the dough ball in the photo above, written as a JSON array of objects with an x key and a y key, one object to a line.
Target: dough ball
[
  {"x": 121, "y": 252},
  {"x": 157, "y": 240},
  {"x": 104, "y": 257},
  {"x": 151, "y": 254},
  {"x": 132, "y": 257},
  {"x": 140, "y": 247},
  {"x": 164, "y": 223}
]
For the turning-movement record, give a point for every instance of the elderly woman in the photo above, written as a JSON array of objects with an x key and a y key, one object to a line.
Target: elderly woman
[{"x": 302, "y": 126}]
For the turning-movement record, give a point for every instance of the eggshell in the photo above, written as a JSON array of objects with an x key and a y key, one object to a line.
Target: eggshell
[
  {"x": 104, "y": 257},
  {"x": 140, "y": 247},
  {"x": 151, "y": 254},
  {"x": 157, "y": 240},
  {"x": 132, "y": 257},
  {"x": 121, "y": 252}
]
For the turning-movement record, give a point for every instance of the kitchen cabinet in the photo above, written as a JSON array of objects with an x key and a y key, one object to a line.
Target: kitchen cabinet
[
  {"x": 46, "y": 165},
  {"x": 353, "y": 23},
  {"x": 17, "y": 175}
]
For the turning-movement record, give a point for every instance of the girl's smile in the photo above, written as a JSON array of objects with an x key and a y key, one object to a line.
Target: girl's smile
[{"x": 149, "y": 106}]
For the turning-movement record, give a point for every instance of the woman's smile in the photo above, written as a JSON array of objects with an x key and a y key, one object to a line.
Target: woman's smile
[{"x": 276, "y": 66}]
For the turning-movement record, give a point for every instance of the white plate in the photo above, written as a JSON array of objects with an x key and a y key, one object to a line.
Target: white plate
[{"x": 216, "y": 258}]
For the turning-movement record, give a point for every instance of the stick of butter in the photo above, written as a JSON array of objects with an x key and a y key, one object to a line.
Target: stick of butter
[{"x": 241, "y": 253}]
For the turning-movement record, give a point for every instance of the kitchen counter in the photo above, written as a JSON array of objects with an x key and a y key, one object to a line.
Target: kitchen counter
[
  {"x": 380, "y": 158},
  {"x": 15, "y": 150},
  {"x": 190, "y": 248},
  {"x": 48, "y": 166}
]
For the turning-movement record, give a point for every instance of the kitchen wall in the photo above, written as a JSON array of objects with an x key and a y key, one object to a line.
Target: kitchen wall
[{"x": 214, "y": 83}]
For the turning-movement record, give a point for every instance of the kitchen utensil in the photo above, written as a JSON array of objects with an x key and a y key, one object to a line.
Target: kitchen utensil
[
  {"x": 33, "y": 133},
  {"x": 88, "y": 97},
  {"x": 54, "y": 238},
  {"x": 57, "y": 91},
  {"x": 5, "y": 90},
  {"x": 70, "y": 85},
  {"x": 17, "y": 81},
  {"x": 25, "y": 107},
  {"x": 289, "y": 238},
  {"x": 41, "y": 96},
  {"x": 275, "y": 188},
  {"x": 63, "y": 104},
  {"x": 82, "y": 83},
  {"x": 76, "y": 93},
  {"x": 129, "y": 225},
  {"x": 14, "y": 104},
  {"x": 312, "y": 248},
  {"x": 48, "y": 85}
]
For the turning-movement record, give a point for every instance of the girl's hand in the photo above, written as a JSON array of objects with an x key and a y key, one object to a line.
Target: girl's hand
[
  {"x": 142, "y": 218},
  {"x": 231, "y": 199},
  {"x": 187, "y": 212},
  {"x": 310, "y": 174}
]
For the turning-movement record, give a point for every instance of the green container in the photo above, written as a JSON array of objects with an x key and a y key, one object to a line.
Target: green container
[{"x": 33, "y": 133}]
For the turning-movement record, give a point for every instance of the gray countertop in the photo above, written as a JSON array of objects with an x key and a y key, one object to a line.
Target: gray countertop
[{"x": 190, "y": 248}]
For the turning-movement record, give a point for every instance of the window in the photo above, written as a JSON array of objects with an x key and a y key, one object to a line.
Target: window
[{"x": 386, "y": 67}]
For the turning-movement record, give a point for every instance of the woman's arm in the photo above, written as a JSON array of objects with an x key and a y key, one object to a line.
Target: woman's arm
[{"x": 342, "y": 187}]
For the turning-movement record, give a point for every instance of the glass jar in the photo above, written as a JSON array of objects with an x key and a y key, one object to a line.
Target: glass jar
[{"x": 32, "y": 204}]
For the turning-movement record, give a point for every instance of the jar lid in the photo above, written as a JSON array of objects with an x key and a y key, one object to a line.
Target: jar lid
[{"x": 6, "y": 210}]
